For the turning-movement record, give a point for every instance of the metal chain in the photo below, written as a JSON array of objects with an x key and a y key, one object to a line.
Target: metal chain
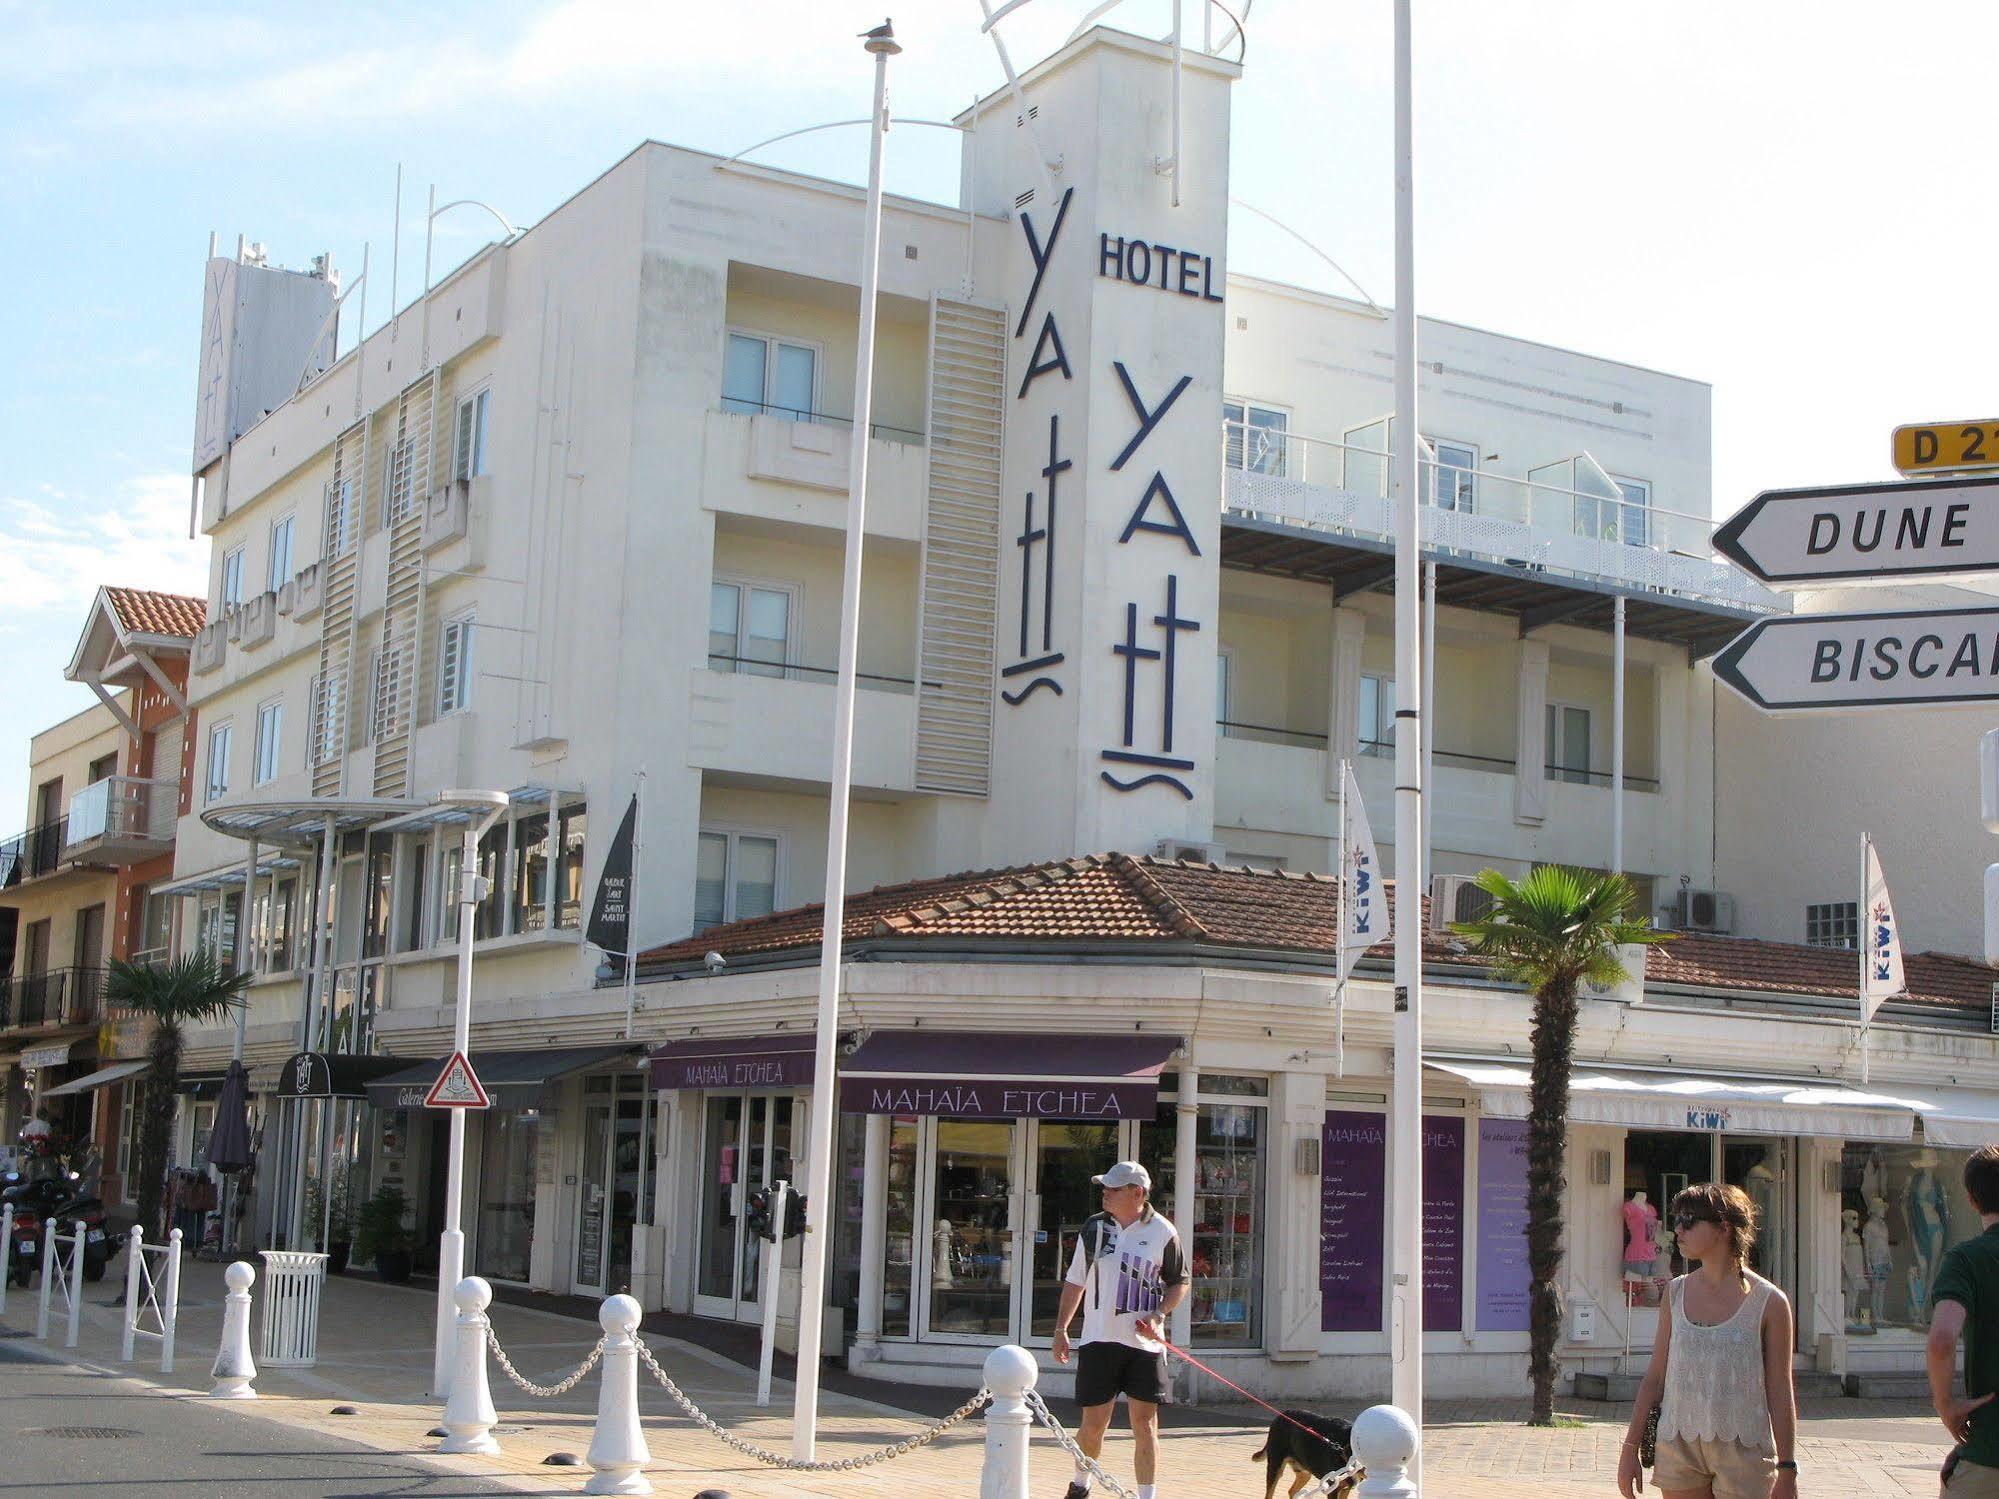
[
  {"x": 798, "y": 1465},
  {"x": 1090, "y": 1465},
  {"x": 1332, "y": 1481},
  {"x": 548, "y": 1391}
]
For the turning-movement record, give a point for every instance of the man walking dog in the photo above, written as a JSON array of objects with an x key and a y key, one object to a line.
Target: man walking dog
[{"x": 1127, "y": 1274}]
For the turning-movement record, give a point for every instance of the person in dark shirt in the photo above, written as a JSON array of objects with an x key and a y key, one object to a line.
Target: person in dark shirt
[{"x": 1966, "y": 1301}]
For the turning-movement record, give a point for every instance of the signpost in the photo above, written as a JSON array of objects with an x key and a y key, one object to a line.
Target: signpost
[
  {"x": 1903, "y": 658},
  {"x": 457, "y": 1087},
  {"x": 1866, "y": 533},
  {"x": 1946, "y": 447}
]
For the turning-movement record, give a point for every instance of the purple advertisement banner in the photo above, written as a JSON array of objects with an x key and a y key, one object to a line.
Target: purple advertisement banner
[
  {"x": 1353, "y": 1199},
  {"x": 1503, "y": 1280},
  {"x": 1443, "y": 1223},
  {"x": 990, "y": 1098}
]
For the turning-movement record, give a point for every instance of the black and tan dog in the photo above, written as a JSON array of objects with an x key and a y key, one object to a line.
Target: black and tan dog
[{"x": 1311, "y": 1446}]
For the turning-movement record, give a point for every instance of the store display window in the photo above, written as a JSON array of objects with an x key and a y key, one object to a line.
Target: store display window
[
  {"x": 1658, "y": 1165},
  {"x": 1225, "y": 1240},
  {"x": 1901, "y": 1207},
  {"x": 901, "y": 1239},
  {"x": 971, "y": 1255}
]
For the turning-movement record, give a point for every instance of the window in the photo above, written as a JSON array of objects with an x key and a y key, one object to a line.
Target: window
[
  {"x": 378, "y": 869},
  {"x": 278, "y": 902},
  {"x": 130, "y": 1119},
  {"x": 1454, "y": 475},
  {"x": 1635, "y": 527},
  {"x": 415, "y": 891},
  {"x": 489, "y": 916},
  {"x": 399, "y": 482},
  {"x": 270, "y": 728},
  {"x": 103, "y": 768},
  {"x": 232, "y": 577},
  {"x": 155, "y": 934},
  {"x": 454, "y": 665},
  {"x": 329, "y": 714},
  {"x": 1833, "y": 924},
  {"x": 341, "y": 521},
  {"x": 1568, "y": 743},
  {"x": 771, "y": 375},
  {"x": 1224, "y": 668},
  {"x": 530, "y": 873},
  {"x": 1377, "y": 716},
  {"x": 575, "y": 827},
  {"x": 469, "y": 449},
  {"x": 281, "y": 551},
  {"x": 391, "y": 669},
  {"x": 749, "y": 628},
  {"x": 220, "y": 737},
  {"x": 1254, "y": 438},
  {"x": 735, "y": 876},
  {"x": 1901, "y": 1207}
]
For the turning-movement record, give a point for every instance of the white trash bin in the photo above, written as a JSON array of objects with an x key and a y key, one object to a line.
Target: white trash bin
[{"x": 293, "y": 1281}]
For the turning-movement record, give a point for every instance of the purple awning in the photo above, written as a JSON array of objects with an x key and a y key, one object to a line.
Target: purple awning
[
  {"x": 1005, "y": 1075},
  {"x": 779, "y": 1061}
]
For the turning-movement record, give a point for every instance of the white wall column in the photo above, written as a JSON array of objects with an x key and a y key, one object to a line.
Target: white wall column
[
  {"x": 1530, "y": 741},
  {"x": 1185, "y": 1165},
  {"x": 1617, "y": 738},
  {"x": 874, "y": 1236},
  {"x": 1291, "y": 1244},
  {"x": 1820, "y": 1305},
  {"x": 1343, "y": 694}
]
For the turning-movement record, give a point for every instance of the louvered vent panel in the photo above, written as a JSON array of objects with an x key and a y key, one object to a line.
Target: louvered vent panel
[
  {"x": 405, "y": 484},
  {"x": 340, "y": 556}
]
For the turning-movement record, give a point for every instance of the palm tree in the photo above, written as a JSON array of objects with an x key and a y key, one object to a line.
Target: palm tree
[
  {"x": 173, "y": 994},
  {"x": 1553, "y": 931}
]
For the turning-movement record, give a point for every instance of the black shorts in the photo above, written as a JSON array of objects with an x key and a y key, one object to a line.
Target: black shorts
[{"x": 1106, "y": 1370}]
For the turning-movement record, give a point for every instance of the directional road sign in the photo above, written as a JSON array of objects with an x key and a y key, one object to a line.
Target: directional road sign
[
  {"x": 457, "y": 1087},
  {"x": 1946, "y": 447},
  {"x": 1866, "y": 532},
  {"x": 1908, "y": 657}
]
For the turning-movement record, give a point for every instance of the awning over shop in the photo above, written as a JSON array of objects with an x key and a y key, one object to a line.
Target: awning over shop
[
  {"x": 512, "y": 1079},
  {"x": 116, "y": 1072},
  {"x": 776, "y": 1061},
  {"x": 1960, "y": 1118},
  {"x": 323, "y": 1074},
  {"x": 1006, "y": 1075},
  {"x": 1703, "y": 1101},
  {"x": 227, "y": 875}
]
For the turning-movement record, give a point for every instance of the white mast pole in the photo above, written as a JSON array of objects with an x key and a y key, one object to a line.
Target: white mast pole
[
  {"x": 819, "y": 1215},
  {"x": 1406, "y": 1335},
  {"x": 1860, "y": 941}
]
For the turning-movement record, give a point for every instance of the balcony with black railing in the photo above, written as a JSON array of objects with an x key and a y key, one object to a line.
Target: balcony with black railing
[
  {"x": 52, "y": 997},
  {"x": 34, "y": 853}
]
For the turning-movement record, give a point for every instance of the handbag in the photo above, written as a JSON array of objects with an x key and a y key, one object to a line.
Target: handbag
[{"x": 1648, "y": 1441}]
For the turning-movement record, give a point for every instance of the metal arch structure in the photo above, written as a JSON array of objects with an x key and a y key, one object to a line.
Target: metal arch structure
[{"x": 1270, "y": 218}]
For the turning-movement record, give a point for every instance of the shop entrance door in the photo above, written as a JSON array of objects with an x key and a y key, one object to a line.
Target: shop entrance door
[
  {"x": 607, "y": 1206},
  {"x": 747, "y": 1141},
  {"x": 1762, "y": 1168},
  {"x": 1062, "y": 1158}
]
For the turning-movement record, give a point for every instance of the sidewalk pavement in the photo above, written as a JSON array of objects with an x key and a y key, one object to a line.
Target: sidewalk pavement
[{"x": 375, "y": 1355}]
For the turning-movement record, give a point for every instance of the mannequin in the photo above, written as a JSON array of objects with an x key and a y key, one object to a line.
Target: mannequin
[
  {"x": 1641, "y": 1224},
  {"x": 1927, "y": 1212},
  {"x": 1662, "y": 1266},
  {"x": 1760, "y": 1182},
  {"x": 1874, "y": 1253},
  {"x": 1852, "y": 1268}
]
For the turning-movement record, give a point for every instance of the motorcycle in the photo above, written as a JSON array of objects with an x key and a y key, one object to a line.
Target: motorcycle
[{"x": 62, "y": 1199}]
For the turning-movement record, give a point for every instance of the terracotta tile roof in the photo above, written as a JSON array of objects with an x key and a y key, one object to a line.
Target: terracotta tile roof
[
  {"x": 151, "y": 613},
  {"x": 1113, "y": 898}
]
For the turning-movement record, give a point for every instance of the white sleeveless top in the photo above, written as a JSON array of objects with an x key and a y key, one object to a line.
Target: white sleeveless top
[{"x": 1714, "y": 1375}]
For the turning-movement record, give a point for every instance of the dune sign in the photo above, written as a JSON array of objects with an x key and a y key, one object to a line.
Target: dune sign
[{"x": 1860, "y": 533}]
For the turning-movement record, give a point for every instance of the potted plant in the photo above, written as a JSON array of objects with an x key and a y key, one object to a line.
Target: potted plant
[
  {"x": 379, "y": 1235},
  {"x": 339, "y": 1232}
]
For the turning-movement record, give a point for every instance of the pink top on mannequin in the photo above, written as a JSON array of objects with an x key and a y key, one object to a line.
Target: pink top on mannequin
[{"x": 1641, "y": 1219}]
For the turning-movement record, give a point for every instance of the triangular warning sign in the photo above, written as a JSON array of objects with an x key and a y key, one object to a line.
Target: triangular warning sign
[{"x": 457, "y": 1087}]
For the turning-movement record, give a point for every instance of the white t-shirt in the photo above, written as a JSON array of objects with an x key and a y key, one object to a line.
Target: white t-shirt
[{"x": 1124, "y": 1273}]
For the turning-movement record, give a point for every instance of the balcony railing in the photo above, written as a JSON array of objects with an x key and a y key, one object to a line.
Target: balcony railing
[
  {"x": 125, "y": 810},
  {"x": 53, "y": 996},
  {"x": 1588, "y": 527},
  {"x": 755, "y": 666},
  {"x": 37, "y": 851},
  {"x": 799, "y": 414},
  {"x": 1384, "y": 749}
]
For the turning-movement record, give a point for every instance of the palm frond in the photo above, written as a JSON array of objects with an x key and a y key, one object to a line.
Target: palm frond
[
  {"x": 180, "y": 991},
  {"x": 1557, "y": 925}
]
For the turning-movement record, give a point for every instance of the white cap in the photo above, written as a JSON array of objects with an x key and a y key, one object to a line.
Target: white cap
[{"x": 1125, "y": 1174}]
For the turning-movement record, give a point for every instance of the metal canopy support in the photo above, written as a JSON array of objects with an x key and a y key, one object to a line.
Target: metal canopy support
[
  {"x": 1547, "y": 614},
  {"x": 1617, "y": 740},
  {"x": 1362, "y": 579}
]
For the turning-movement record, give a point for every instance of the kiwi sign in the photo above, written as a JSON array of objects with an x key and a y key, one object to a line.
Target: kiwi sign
[{"x": 1861, "y": 533}]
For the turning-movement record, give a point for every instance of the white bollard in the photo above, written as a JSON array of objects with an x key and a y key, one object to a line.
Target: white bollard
[
  {"x": 618, "y": 1451},
  {"x": 469, "y": 1416},
  {"x": 170, "y": 1309},
  {"x": 75, "y": 1287},
  {"x": 48, "y": 1277},
  {"x": 135, "y": 1254},
  {"x": 6, "y": 1252},
  {"x": 1385, "y": 1440},
  {"x": 233, "y": 1368},
  {"x": 1010, "y": 1374}
]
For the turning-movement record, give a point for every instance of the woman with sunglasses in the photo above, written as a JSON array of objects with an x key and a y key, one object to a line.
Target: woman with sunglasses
[{"x": 1721, "y": 1366}]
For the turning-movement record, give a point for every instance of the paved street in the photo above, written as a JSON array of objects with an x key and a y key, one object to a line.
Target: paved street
[{"x": 369, "y": 1358}]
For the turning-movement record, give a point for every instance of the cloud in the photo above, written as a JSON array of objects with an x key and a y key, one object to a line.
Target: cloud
[{"x": 55, "y": 551}]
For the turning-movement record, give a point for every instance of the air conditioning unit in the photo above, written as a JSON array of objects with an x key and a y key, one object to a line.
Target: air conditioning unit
[
  {"x": 1456, "y": 897},
  {"x": 1704, "y": 911},
  {"x": 1175, "y": 850}
]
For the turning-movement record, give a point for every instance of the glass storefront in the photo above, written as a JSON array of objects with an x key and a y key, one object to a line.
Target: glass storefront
[
  {"x": 1901, "y": 1207},
  {"x": 971, "y": 1254},
  {"x": 1658, "y": 1164},
  {"x": 1225, "y": 1242},
  {"x": 509, "y": 1158},
  {"x": 897, "y": 1288},
  {"x": 746, "y": 1143}
]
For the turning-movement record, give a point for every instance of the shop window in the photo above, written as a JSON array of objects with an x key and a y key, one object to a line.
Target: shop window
[
  {"x": 511, "y": 1155},
  {"x": 901, "y": 1240},
  {"x": 971, "y": 1255},
  {"x": 1833, "y": 924},
  {"x": 1225, "y": 1241},
  {"x": 1658, "y": 1164},
  {"x": 735, "y": 877},
  {"x": 1901, "y": 1207}
]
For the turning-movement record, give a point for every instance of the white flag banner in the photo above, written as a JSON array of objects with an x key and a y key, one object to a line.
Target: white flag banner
[
  {"x": 1364, "y": 918},
  {"x": 1881, "y": 942}
]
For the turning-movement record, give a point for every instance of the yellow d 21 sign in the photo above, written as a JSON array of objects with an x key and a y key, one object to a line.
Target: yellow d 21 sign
[{"x": 1938, "y": 447}]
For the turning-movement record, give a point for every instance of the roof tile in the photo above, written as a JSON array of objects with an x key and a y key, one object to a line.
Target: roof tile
[{"x": 150, "y": 613}]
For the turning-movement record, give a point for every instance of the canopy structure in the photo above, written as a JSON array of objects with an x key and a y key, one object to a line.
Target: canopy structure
[
  {"x": 1007, "y": 1075},
  {"x": 512, "y": 1079},
  {"x": 103, "y": 1077}
]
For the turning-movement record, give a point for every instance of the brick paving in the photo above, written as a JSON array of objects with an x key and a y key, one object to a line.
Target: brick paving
[{"x": 374, "y": 1354}]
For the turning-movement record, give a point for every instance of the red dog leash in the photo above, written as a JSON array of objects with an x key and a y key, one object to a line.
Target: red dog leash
[{"x": 1186, "y": 1357}]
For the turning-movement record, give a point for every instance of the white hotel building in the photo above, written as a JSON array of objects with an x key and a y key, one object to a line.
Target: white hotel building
[{"x": 577, "y": 515}]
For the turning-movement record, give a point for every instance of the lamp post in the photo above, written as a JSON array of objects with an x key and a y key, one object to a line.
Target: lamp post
[
  {"x": 482, "y": 808},
  {"x": 429, "y": 237},
  {"x": 881, "y": 45}
]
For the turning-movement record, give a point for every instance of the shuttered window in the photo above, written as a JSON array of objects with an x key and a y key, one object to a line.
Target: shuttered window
[
  {"x": 469, "y": 450},
  {"x": 454, "y": 665}
]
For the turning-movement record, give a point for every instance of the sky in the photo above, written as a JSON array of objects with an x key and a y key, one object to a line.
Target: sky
[{"x": 1786, "y": 200}]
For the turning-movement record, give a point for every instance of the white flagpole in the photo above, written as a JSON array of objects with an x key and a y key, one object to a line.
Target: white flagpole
[
  {"x": 1340, "y": 952},
  {"x": 632, "y": 913},
  {"x": 819, "y": 1143},
  {"x": 1860, "y": 930}
]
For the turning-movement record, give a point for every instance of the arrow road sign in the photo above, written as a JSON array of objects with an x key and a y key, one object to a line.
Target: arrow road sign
[
  {"x": 1908, "y": 657},
  {"x": 1866, "y": 532},
  {"x": 457, "y": 1087}
]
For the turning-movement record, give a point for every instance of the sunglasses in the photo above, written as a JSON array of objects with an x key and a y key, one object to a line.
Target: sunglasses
[{"x": 1684, "y": 1221}]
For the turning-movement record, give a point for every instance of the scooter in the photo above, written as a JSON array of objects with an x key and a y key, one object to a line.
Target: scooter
[{"x": 59, "y": 1198}]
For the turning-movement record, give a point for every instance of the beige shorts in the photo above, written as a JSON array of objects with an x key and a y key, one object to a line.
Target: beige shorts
[
  {"x": 1973, "y": 1481},
  {"x": 1735, "y": 1471}
]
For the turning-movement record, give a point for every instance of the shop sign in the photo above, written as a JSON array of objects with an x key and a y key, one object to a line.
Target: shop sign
[
  {"x": 785, "y": 1069},
  {"x": 37, "y": 1057},
  {"x": 307, "y": 1075},
  {"x": 1443, "y": 1223},
  {"x": 1503, "y": 1276},
  {"x": 1707, "y": 1116},
  {"x": 987, "y": 1098},
  {"x": 1353, "y": 1201}
]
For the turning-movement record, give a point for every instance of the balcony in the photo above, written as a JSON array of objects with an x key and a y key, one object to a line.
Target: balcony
[
  {"x": 122, "y": 820},
  {"x": 783, "y": 468},
  {"x": 760, "y": 719},
  {"x": 52, "y": 997},
  {"x": 37, "y": 852}
]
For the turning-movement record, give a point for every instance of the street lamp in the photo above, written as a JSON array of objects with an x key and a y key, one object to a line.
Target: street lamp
[{"x": 482, "y": 809}]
